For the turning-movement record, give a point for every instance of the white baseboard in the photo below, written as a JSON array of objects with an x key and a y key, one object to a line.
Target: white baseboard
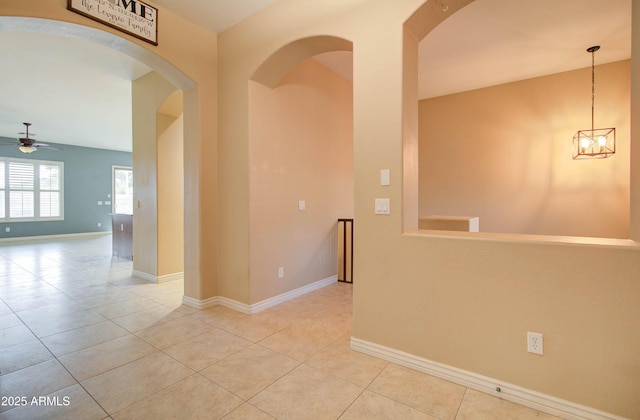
[
  {"x": 170, "y": 277},
  {"x": 235, "y": 305},
  {"x": 158, "y": 279},
  {"x": 200, "y": 304},
  {"x": 528, "y": 398},
  {"x": 144, "y": 276},
  {"x": 52, "y": 237},
  {"x": 260, "y": 306},
  {"x": 276, "y": 300}
]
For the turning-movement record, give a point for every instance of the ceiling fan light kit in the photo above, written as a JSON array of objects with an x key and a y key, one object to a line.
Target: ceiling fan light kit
[
  {"x": 28, "y": 144},
  {"x": 27, "y": 149}
]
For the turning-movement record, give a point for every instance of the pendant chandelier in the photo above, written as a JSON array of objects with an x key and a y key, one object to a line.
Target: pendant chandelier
[{"x": 597, "y": 143}]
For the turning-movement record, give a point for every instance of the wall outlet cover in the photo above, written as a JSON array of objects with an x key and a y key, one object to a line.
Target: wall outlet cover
[{"x": 534, "y": 343}]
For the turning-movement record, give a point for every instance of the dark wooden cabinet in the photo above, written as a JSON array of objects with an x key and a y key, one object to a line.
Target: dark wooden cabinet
[{"x": 122, "y": 228}]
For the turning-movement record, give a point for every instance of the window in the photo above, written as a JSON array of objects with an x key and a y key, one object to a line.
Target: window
[
  {"x": 49, "y": 190},
  {"x": 122, "y": 190},
  {"x": 30, "y": 190}
]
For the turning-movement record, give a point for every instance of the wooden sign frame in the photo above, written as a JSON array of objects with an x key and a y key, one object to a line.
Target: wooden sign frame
[{"x": 133, "y": 17}]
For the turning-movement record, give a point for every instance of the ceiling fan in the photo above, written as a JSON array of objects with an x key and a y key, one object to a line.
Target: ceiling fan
[{"x": 28, "y": 144}]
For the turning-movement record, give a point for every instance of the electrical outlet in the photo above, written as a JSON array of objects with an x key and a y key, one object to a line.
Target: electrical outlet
[
  {"x": 534, "y": 343},
  {"x": 281, "y": 272}
]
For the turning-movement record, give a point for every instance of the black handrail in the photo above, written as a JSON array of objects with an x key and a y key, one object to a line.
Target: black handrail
[{"x": 342, "y": 273}]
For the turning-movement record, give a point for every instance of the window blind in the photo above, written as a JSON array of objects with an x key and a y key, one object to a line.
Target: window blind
[
  {"x": 31, "y": 190},
  {"x": 3, "y": 189},
  {"x": 21, "y": 189}
]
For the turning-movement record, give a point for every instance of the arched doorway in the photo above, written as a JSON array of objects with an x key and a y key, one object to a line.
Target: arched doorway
[
  {"x": 301, "y": 166},
  {"x": 145, "y": 238}
]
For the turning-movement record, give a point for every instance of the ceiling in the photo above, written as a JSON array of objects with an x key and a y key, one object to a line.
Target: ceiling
[
  {"x": 78, "y": 93},
  {"x": 215, "y": 15}
]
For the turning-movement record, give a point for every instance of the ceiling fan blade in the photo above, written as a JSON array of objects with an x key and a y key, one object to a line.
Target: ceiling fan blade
[{"x": 46, "y": 146}]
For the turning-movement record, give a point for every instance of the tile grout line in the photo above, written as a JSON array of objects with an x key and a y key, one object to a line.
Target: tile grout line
[
  {"x": 60, "y": 363},
  {"x": 464, "y": 395}
]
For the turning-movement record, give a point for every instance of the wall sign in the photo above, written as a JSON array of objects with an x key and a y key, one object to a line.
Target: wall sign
[{"x": 131, "y": 16}]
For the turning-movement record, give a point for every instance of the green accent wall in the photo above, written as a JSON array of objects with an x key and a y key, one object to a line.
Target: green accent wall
[{"x": 87, "y": 180}]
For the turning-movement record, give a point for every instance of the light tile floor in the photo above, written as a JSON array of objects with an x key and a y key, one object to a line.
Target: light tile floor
[{"x": 79, "y": 331}]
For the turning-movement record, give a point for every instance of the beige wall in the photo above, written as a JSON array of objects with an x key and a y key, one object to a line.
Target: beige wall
[
  {"x": 635, "y": 123},
  {"x": 170, "y": 195},
  {"x": 463, "y": 301},
  {"x": 158, "y": 177},
  {"x": 301, "y": 148},
  {"x": 503, "y": 153},
  {"x": 145, "y": 182},
  {"x": 242, "y": 50},
  {"x": 187, "y": 56}
]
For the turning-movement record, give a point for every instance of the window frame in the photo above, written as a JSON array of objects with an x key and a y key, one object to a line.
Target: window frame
[
  {"x": 6, "y": 189},
  {"x": 114, "y": 168}
]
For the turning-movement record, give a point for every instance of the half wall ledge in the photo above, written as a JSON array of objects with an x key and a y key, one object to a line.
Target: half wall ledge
[{"x": 527, "y": 238}]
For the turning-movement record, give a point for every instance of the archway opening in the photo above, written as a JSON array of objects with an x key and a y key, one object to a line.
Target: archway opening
[
  {"x": 509, "y": 164},
  {"x": 177, "y": 80},
  {"x": 301, "y": 164}
]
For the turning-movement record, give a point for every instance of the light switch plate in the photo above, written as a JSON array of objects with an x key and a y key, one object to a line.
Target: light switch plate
[
  {"x": 384, "y": 177},
  {"x": 383, "y": 206},
  {"x": 302, "y": 205}
]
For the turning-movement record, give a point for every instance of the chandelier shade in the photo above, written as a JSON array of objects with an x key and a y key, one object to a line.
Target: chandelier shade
[
  {"x": 599, "y": 143},
  {"x": 596, "y": 143}
]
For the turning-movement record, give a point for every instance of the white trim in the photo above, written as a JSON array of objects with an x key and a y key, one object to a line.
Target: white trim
[
  {"x": 144, "y": 276},
  {"x": 199, "y": 304},
  {"x": 260, "y": 306},
  {"x": 526, "y": 397},
  {"x": 158, "y": 279},
  {"x": 59, "y": 236},
  {"x": 276, "y": 300},
  {"x": 170, "y": 277},
  {"x": 235, "y": 305}
]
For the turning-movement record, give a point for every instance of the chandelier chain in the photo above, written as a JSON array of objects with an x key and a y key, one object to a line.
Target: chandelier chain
[{"x": 593, "y": 86}]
